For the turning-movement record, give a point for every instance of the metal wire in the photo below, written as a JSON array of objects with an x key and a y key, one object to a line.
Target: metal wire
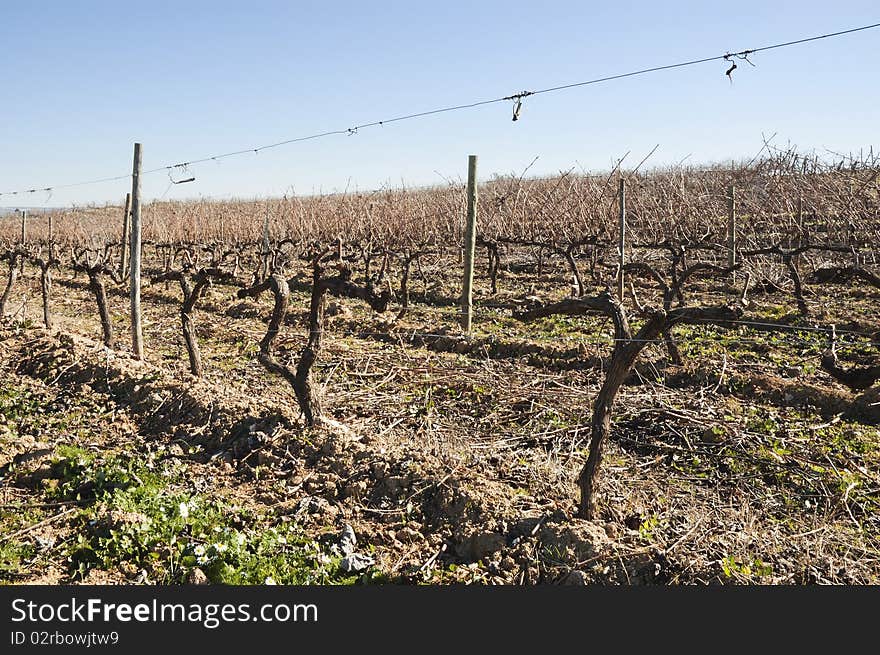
[{"x": 459, "y": 107}]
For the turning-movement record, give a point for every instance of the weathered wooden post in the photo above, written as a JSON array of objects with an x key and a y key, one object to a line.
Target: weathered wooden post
[
  {"x": 137, "y": 335},
  {"x": 23, "y": 238},
  {"x": 851, "y": 242},
  {"x": 731, "y": 228},
  {"x": 800, "y": 221},
  {"x": 46, "y": 277},
  {"x": 51, "y": 239},
  {"x": 264, "y": 273},
  {"x": 126, "y": 216},
  {"x": 470, "y": 242},
  {"x": 621, "y": 239}
]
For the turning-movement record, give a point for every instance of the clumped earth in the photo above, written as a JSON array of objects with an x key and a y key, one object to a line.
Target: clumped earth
[{"x": 442, "y": 459}]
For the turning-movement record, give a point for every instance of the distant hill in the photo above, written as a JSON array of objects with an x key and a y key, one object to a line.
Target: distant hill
[{"x": 4, "y": 211}]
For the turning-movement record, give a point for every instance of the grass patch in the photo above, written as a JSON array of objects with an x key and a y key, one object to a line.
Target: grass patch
[{"x": 141, "y": 522}]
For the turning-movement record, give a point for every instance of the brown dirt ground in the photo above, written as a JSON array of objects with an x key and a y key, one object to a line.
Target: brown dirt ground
[{"x": 445, "y": 451}]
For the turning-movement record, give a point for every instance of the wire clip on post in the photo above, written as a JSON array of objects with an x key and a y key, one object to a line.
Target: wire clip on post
[
  {"x": 730, "y": 70},
  {"x": 744, "y": 56},
  {"x": 184, "y": 170},
  {"x": 517, "y": 102}
]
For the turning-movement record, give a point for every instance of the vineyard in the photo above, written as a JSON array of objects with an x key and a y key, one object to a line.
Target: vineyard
[{"x": 310, "y": 410}]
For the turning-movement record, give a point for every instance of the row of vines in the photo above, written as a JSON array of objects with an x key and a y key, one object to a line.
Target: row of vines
[{"x": 802, "y": 222}]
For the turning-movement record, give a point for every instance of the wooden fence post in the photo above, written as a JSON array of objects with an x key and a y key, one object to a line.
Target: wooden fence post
[
  {"x": 470, "y": 242},
  {"x": 800, "y": 221},
  {"x": 23, "y": 237},
  {"x": 137, "y": 335},
  {"x": 621, "y": 239},
  {"x": 731, "y": 228},
  {"x": 123, "y": 260},
  {"x": 264, "y": 272}
]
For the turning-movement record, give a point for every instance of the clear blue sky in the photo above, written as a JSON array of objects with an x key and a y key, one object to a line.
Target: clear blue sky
[{"x": 82, "y": 81}]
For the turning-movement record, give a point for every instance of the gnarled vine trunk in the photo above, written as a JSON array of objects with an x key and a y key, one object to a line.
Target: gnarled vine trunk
[
  {"x": 624, "y": 355},
  {"x": 12, "y": 259}
]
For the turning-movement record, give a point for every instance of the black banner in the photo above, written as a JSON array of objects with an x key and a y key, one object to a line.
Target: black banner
[{"x": 226, "y": 619}]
